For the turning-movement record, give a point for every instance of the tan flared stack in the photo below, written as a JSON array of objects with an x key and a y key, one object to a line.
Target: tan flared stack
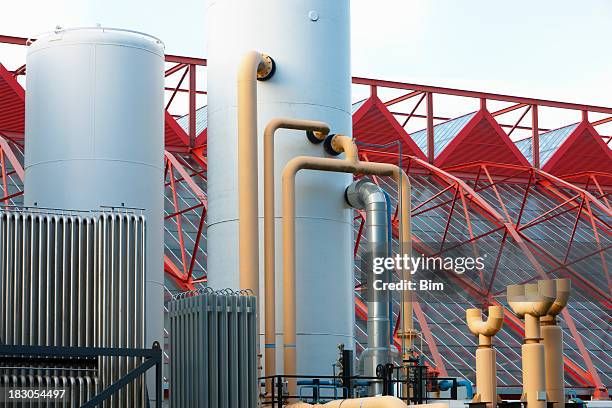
[
  {"x": 530, "y": 302},
  {"x": 486, "y": 379},
  {"x": 552, "y": 338}
]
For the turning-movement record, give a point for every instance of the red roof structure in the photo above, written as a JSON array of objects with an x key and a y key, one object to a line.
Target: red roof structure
[
  {"x": 481, "y": 139},
  {"x": 174, "y": 136},
  {"x": 583, "y": 151},
  {"x": 373, "y": 124},
  {"x": 12, "y": 104}
]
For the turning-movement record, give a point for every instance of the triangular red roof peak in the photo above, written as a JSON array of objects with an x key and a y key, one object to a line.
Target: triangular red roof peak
[
  {"x": 481, "y": 140},
  {"x": 374, "y": 124},
  {"x": 583, "y": 151},
  {"x": 12, "y": 103},
  {"x": 174, "y": 136}
]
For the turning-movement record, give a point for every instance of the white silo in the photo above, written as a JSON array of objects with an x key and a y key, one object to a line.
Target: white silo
[
  {"x": 309, "y": 41},
  {"x": 94, "y": 134}
]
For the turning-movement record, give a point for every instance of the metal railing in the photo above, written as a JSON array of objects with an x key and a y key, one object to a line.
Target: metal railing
[{"x": 151, "y": 358}]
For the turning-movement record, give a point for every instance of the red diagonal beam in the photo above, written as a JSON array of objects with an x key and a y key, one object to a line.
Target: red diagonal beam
[
  {"x": 508, "y": 109},
  {"x": 12, "y": 158},
  {"x": 187, "y": 178},
  {"x": 431, "y": 342},
  {"x": 403, "y": 98}
]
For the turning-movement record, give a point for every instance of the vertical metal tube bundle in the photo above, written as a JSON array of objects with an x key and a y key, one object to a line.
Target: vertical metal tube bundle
[
  {"x": 213, "y": 340},
  {"x": 77, "y": 281}
]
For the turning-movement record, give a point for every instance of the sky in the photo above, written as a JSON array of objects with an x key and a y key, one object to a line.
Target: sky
[{"x": 550, "y": 49}]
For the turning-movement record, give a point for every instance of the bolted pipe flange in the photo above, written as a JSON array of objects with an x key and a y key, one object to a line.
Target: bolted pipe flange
[
  {"x": 315, "y": 137},
  {"x": 328, "y": 146},
  {"x": 266, "y": 69}
]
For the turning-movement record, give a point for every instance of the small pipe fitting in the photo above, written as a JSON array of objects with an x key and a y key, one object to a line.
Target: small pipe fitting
[
  {"x": 328, "y": 146},
  {"x": 266, "y": 68},
  {"x": 336, "y": 144},
  {"x": 487, "y": 328},
  {"x": 563, "y": 287},
  {"x": 315, "y": 137}
]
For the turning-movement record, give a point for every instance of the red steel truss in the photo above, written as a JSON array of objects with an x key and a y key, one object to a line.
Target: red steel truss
[{"x": 465, "y": 189}]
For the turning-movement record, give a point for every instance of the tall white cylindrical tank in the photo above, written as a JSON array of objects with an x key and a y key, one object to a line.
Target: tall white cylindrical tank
[
  {"x": 94, "y": 134},
  {"x": 310, "y": 43}
]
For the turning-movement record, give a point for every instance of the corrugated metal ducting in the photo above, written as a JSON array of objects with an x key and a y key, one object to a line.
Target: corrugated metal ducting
[
  {"x": 74, "y": 280},
  {"x": 213, "y": 350}
]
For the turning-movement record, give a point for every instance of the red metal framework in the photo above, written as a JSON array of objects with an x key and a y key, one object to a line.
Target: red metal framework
[{"x": 497, "y": 198}]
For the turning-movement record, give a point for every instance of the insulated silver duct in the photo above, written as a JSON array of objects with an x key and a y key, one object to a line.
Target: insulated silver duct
[
  {"x": 365, "y": 195},
  {"x": 213, "y": 350},
  {"x": 77, "y": 281}
]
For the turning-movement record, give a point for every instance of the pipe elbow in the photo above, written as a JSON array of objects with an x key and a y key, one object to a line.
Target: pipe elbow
[
  {"x": 336, "y": 144},
  {"x": 563, "y": 287},
  {"x": 359, "y": 194},
  {"x": 488, "y": 328},
  {"x": 256, "y": 66},
  {"x": 291, "y": 168}
]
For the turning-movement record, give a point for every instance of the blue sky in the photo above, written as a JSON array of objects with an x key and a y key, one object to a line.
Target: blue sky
[{"x": 554, "y": 49}]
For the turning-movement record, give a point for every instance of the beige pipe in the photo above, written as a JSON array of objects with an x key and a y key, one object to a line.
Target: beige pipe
[
  {"x": 320, "y": 130},
  {"x": 349, "y": 165},
  {"x": 552, "y": 339},
  {"x": 254, "y": 66},
  {"x": 370, "y": 402},
  {"x": 532, "y": 301},
  {"x": 486, "y": 378}
]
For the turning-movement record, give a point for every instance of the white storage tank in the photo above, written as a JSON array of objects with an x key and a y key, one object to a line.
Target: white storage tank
[
  {"x": 309, "y": 41},
  {"x": 94, "y": 134}
]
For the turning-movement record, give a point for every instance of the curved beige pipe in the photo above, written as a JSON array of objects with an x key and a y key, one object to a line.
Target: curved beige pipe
[
  {"x": 563, "y": 287},
  {"x": 321, "y": 130},
  {"x": 486, "y": 378},
  {"x": 254, "y": 66},
  {"x": 370, "y": 402},
  {"x": 350, "y": 165},
  {"x": 489, "y": 328}
]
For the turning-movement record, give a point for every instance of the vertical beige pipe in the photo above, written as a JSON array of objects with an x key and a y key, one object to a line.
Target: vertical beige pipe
[
  {"x": 350, "y": 164},
  {"x": 320, "y": 130},
  {"x": 253, "y": 67},
  {"x": 486, "y": 378},
  {"x": 532, "y": 301},
  {"x": 552, "y": 338}
]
